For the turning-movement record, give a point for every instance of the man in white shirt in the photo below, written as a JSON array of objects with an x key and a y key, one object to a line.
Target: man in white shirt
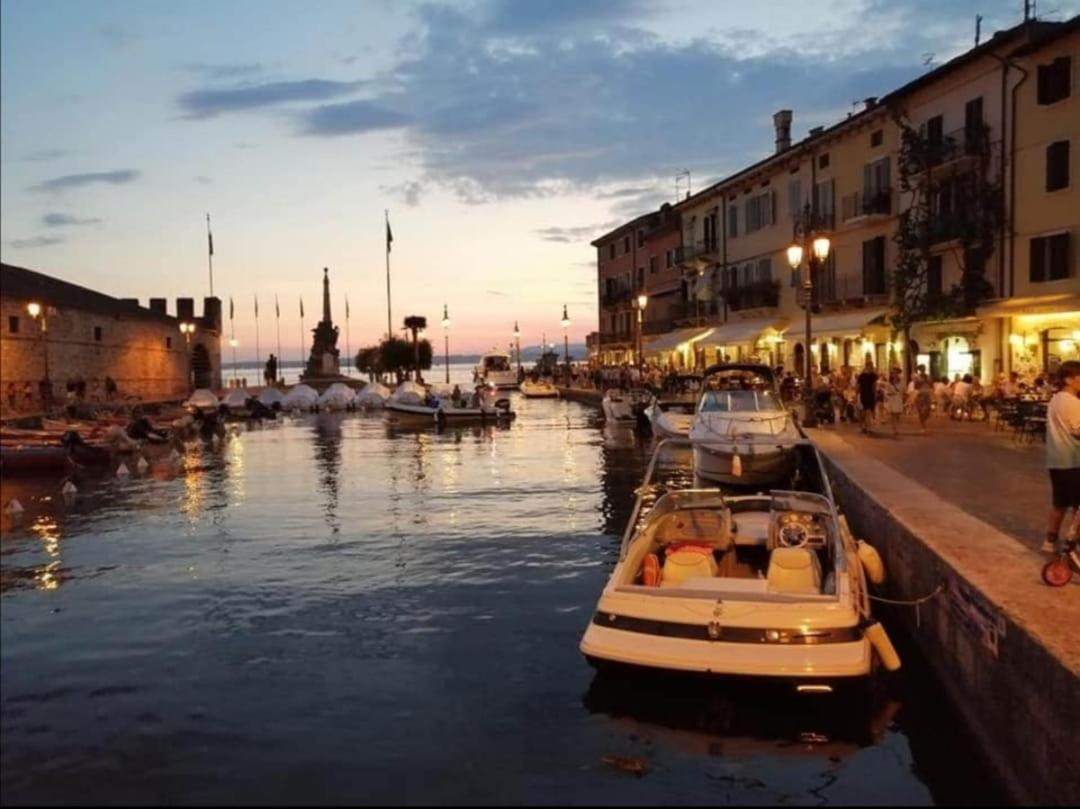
[{"x": 1063, "y": 450}]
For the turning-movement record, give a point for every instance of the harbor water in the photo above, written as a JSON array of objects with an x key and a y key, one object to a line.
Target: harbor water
[{"x": 331, "y": 609}]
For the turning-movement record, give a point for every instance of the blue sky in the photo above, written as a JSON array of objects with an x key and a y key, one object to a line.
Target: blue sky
[{"x": 502, "y": 135}]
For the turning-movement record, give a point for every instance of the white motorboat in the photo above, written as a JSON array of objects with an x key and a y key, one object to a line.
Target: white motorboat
[
  {"x": 272, "y": 398},
  {"x": 204, "y": 400},
  {"x": 236, "y": 400},
  {"x": 301, "y": 397},
  {"x": 338, "y": 396},
  {"x": 495, "y": 369},
  {"x": 741, "y": 431},
  {"x": 483, "y": 406},
  {"x": 765, "y": 585},
  {"x": 373, "y": 395},
  {"x": 540, "y": 389},
  {"x": 671, "y": 417},
  {"x": 624, "y": 404}
]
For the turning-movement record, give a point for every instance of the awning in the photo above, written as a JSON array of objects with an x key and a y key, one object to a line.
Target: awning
[
  {"x": 840, "y": 324},
  {"x": 672, "y": 340},
  {"x": 743, "y": 332},
  {"x": 1037, "y": 305}
]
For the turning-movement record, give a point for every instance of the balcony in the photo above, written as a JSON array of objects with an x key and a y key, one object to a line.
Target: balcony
[
  {"x": 693, "y": 312},
  {"x": 658, "y": 326},
  {"x": 698, "y": 250},
  {"x": 875, "y": 202},
  {"x": 759, "y": 295},
  {"x": 617, "y": 296},
  {"x": 960, "y": 144},
  {"x": 610, "y": 337}
]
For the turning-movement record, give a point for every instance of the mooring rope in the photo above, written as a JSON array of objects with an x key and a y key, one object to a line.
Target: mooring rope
[{"x": 913, "y": 602}]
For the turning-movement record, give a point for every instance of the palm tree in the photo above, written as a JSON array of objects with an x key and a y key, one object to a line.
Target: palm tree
[{"x": 416, "y": 324}]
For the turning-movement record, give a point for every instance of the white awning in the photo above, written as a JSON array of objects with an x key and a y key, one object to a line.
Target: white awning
[
  {"x": 743, "y": 332},
  {"x": 1063, "y": 303},
  {"x": 672, "y": 340},
  {"x": 839, "y": 324}
]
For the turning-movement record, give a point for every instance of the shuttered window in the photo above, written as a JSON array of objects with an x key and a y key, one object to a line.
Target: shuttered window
[
  {"x": 874, "y": 266},
  {"x": 1057, "y": 165},
  {"x": 1049, "y": 258},
  {"x": 1055, "y": 80},
  {"x": 733, "y": 221}
]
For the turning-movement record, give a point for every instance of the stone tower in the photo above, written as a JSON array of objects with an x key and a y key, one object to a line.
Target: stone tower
[{"x": 323, "y": 365}]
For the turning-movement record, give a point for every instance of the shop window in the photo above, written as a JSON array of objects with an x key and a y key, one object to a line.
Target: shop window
[{"x": 13, "y": 324}]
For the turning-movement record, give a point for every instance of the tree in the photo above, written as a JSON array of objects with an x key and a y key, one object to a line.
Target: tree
[
  {"x": 368, "y": 361},
  {"x": 954, "y": 200},
  {"x": 416, "y": 324}
]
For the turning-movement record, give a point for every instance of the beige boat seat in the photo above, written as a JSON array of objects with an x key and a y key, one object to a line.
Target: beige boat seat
[
  {"x": 794, "y": 570},
  {"x": 697, "y": 526},
  {"x": 685, "y": 563}
]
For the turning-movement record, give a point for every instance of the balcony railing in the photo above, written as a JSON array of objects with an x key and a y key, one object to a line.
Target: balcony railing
[
  {"x": 658, "y": 326},
  {"x": 693, "y": 311},
  {"x": 753, "y": 296},
  {"x": 616, "y": 297},
  {"x": 972, "y": 141},
  {"x": 862, "y": 203},
  {"x": 608, "y": 337},
  {"x": 698, "y": 249}
]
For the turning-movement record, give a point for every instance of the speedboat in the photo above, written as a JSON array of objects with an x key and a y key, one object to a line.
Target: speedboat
[
  {"x": 494, "y": 369},
  {"x": 770, "y": 585},
  {"x": 624, "y": 405},
  {"x": 484, "y": 405},
  {"x": 540, "y": 389},
  {"x": 272, "y": 398},
  {"x": 338, "y": 396},
  {"x": 671, "y": 416},
  {"x": 739, "y": 407},
  {"x": 301, "y": 397}
]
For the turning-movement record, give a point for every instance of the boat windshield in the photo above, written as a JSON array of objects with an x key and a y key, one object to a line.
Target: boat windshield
[
  {"x": 499, "y": 363},
  {"x": 739, "y": 401}
]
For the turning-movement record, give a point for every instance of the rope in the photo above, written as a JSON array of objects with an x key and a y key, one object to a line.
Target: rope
[{"x": 913, "y": 602}]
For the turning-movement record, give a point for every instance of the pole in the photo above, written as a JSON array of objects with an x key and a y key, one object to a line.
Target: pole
[
  {"x": 233, "y": 341},
  {"x": 389, "y": 318},
  {"x": 258, "y": 351},
  {"x": 348, "y": 339},
  {"x": 45, "y": 354},
  {"x": 808, "y": 291},
  {"x": 446, "y": 353},
  {"x": 639, "y": 357},
  {"x": 301, "y": 333},
  {"x": 210, "y": 253},
  {"x": 277, "y": 319}
]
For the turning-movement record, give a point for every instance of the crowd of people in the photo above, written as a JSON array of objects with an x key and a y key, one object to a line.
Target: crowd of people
[{"x": 41, "y": 398}]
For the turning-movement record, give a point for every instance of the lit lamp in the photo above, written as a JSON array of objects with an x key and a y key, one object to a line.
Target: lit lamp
[
  {"x": 187, "y": 329},
  {"x": 566, "y": 337},
  {"x": 641, "y": 302},
  {"x": 234, "y": 343},
  {"x": 517, "y": 345},
  {"x": 814, "y": 248},
  {"x": 446, "y": 341},
  {"x": 37, "y": 313}
]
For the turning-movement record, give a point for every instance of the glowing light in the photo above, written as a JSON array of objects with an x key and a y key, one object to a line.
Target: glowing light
[
  {"x": 794, "y": 256},
  {"x": 642, "y": 301},
  {"x": 821, "y": 248},
  {"x": 33, "y": 308}
]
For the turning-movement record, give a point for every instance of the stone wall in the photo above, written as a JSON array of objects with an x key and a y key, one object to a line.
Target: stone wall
[{"x": 147, "y": 356}]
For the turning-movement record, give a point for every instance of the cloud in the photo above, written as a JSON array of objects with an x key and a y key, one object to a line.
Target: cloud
[
  {"x": 410, "y": 192},
  {"x": 116, "y": 37},
  {"x": 618, "y": 193},
  {"x": 69, "y": 181},
  {"x": 37, "y": 241},
  {"x": 210, "y": 102},
  {"x": 531, "y": 17},
  {"x": 225, "y": 71},
  {"x": 43, "y": 155},
  {"x": 203, "y": 180},
  {"x": 60, "y": 220},
  {"x": 351, "y": 118},
  {"x": 496, "y": 293},
  {"x": 574, "y": 234}
]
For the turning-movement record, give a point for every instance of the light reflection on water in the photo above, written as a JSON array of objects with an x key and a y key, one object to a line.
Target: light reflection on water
[{"x": 332, "y": 608}]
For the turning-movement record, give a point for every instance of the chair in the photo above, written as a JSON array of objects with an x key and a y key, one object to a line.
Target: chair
[{"x": 794, "y": 570}]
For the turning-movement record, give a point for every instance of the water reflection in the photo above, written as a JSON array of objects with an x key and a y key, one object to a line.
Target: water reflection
[{"x": 328, "y": 460}]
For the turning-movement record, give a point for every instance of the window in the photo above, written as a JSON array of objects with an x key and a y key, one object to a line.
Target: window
[
  {"x": 1057, "y": 166},
  {"x": 13, "y": 324},
  {"x": 168, "y": 342},
  {"x": 626, "y": 244},
  {"x": 747, "y": 274},
  {"x": 933, "y": 278},
  {"x": 611, "y": 250},
  {"x": 1055, "y": 80},
  {"x": 97, "y": 334},
  {"x": 670, "y": 257},
  {"x": 794, "y": 195},
  {"x": 935, "y": 130},
  {"x": 641, "y": 238},
  {"x": 825, "y": 286},
  {"x": 733, "y": 221},
  {"x": 654, "y": 264},
  {"x": 759, "y": 211},
  {"x": 823, "y": 161},
  {"x": 824, "y": 203},
  {"x": 1049, "y": 258},
  {"x": 877, "y": 137},
  {"x": 640, "y": 277},
  {"x": 874, "y": 266},
  {"x": 764, "y": 270},
  {"x": 875, "y": 179}
]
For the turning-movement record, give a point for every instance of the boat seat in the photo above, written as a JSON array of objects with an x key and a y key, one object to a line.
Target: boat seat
[
  {"x": 794, "y": 570},
  {"x": 686, "y": 563},
  {"x": 696, "y": 526}
]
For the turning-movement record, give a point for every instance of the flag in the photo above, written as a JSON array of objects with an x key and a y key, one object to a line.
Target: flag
[
  {"x": 209, "y": 235},
  {"x": 301, "y": 306},
  {"x": 256, "y": 306},
  {"x": 389, "y": 235},
  {"x": 346, "y": 307},
  {"x": 230, "y": 308},
  {"x": 277, "y": 309}
]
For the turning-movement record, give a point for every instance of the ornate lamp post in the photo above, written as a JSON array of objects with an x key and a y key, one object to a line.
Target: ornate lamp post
[
  {"x": 446, "y": 341},
  {"x": 37, "y": 312},
  {"x": 517, "y": 345},
  {"x": 566, "y": 338},
  {"x": 640, "y": 304},
  {"x": 187, "y": 329},
  {"x": 815, "y": 247}
]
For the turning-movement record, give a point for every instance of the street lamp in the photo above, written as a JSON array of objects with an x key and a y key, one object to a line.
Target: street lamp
[
  {"x": 566, "y": 338},
  {"x": 517, "y": 345},
  {"x": 641, "y": 302},
  {"x": 446, "y": 341},
  {"x": 187, "y": 329},
  {"x": 36, "y": 311},
  {"x": 815, "y": 247}
]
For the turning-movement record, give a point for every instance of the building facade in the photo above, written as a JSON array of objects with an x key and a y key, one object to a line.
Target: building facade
[{"x": 83, "y": 336}]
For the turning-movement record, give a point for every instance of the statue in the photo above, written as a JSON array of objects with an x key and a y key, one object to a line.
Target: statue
[{"x": 323, "y": 364}]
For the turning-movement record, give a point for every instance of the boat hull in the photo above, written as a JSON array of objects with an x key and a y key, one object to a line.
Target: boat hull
[
  {"x": 34, "y": 460},
  {"x": 669, "y": 424},
  {"x": 761, "y": 465}
]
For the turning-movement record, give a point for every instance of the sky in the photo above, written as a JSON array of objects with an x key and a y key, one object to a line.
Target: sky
[{"x": 501, "y": 135}]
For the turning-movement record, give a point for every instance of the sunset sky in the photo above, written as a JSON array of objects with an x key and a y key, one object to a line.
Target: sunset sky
[{"x": 502, "y": 136}]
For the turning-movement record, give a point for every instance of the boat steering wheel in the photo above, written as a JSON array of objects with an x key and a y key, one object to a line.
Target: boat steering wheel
[{"x": 793, "y": 533}]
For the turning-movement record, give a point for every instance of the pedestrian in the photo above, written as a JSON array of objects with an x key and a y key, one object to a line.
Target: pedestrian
[
  {"x": 1063, "y": 450},
  {"x": 894, "y": 400},
  {"x": 923, "y": 396},
  {"x": 867, "y": 384}
]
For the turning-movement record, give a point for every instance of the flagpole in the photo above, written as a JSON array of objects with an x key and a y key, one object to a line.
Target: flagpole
[
  {"x": 258, "y": 351},
  {"x": 302, "y": 331},
  {"x": 210, "y": 253},
  {"x": 348, "y": 340},
  {"x": 389, "y": 319},
  {"x": 232, "y": 339},
  {"x": 277, "y": 317}
]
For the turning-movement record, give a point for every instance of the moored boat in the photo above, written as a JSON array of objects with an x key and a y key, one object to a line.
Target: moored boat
[
  {"x": 372, "y": 396},
  {"x": 338, "y": 396},
  {"x": 624, "y": 404},
  {"x": 495, "y": 369},
  {"x": 301, "y": 397},
  {"x": 540, "y": 389},
  {"x": 30, "y": 459}
]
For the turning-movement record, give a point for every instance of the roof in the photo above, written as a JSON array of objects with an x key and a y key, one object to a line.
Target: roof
[
  {"x": 1049, "y": 35},
  {"x": 736, "y": 332},
  {"x": 19, "y": 282},
  {"x": 846, "y": 323}
]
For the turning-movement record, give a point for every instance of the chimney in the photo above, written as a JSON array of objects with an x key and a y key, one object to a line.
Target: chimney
[
  {"x": 869, "y": 102},
  {"x": 130, "y": 301},
  {"x": 817, "y": 130},
  {"x": 782, "y": 123},
  {"x": 185, "y": 309},
  {"x": 159, "y": 306}
]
